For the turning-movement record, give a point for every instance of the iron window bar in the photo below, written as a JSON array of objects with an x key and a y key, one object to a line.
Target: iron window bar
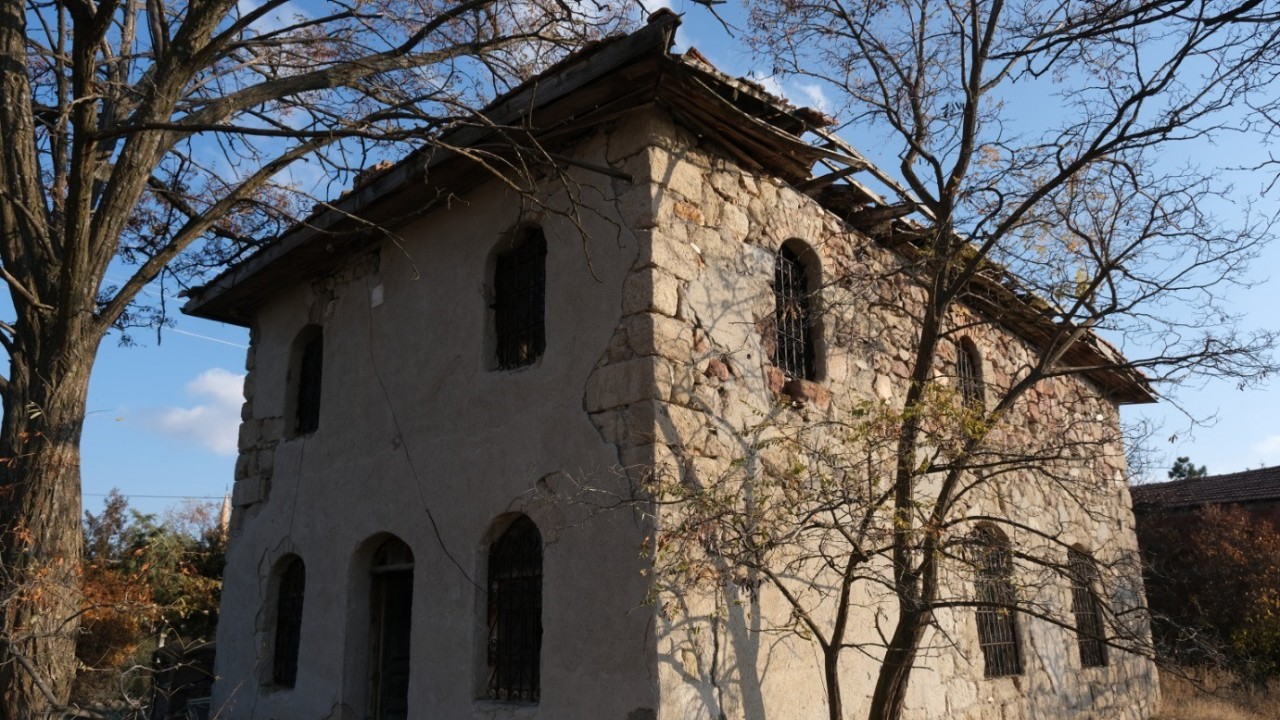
[
  {"x": 997, "y": 616},
  {"x": 969, "y": 375},
  {"x": 793, "y": 317},
  {"x": 1090, "y": 631},
  {"x": 515, "y": 614}
]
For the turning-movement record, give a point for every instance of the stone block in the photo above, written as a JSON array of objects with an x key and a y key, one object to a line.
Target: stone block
[
  {"x": 612, "y": 426},
  {"x": 718, "y": 369},
  {"x": 678, "y": 382},
  {"x": 246, "y": 465},
  {"x": 653, "y": 334},
  {"x": 651, "y": 290},
  {"x": 807, "y": 392},
  {"x": 680, "y": 426},
  {"x": 646, "y": 463},
  {"x": 272, "y": 429},
  {"x": 688, "y": 211},
  {"x": 672, "y": 256},
  {"x": 619, "y": 384},
  {"x": 247, "y": 491},
  {"x": 250, "y": 433},
  {"x": 676, "y": 173},
  {"x": 775, "y": 379},
  {"x": 734, "y": 225}
]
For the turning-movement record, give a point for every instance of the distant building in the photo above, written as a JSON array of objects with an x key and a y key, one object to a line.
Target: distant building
[
  {"x": 1255, "y": 491},
  {"x": 417, "y": 402}
]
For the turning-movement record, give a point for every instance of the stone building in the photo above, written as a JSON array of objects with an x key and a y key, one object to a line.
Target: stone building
[{"x": 430, "y": 411}]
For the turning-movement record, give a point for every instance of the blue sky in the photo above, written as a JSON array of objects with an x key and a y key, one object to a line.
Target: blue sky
[{"x": 163, "y": 416}]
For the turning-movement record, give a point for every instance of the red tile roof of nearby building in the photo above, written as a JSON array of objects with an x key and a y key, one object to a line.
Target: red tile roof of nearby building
[{"x": 1249, "y": 486}]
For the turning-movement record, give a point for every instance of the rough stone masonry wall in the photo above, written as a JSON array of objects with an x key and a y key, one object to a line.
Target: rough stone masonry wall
[{"x": 698, "y": 372}]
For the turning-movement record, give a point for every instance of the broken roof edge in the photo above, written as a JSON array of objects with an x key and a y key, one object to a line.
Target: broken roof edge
[
  {"x": 610, "y": 53},
  {"x": 760, "y": 115}
]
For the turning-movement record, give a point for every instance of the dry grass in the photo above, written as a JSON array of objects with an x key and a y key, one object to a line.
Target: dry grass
[{"x": 1217, "y": 696}]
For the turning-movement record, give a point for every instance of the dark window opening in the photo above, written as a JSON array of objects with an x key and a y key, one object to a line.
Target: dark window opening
[
  {"x": 293, "y": 581},
  {"x": 996, "y": 613},
  {"x": 392, "y": 621},
  {"x": 515, "y": 613},
  {"x": 310, "y": 370},
  {"x": 969, "y": 374},
  {"x": 793, "y": 316},
  {"x": 519, "y": 289},
  {"x": 1090, "y": 631}
]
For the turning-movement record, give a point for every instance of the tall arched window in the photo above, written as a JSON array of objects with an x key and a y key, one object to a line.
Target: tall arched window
[
  {"x": 515, "y": 613},
  {"x": 289, "y": 596},
  {"x": 306, "y": 371},
  {"x": 1090, "y": 631},
  {"x": 519, "y": 299},
  {"x": 969, "y": 373},
  {"x": 794, "y": 350},
  {"x": 996, "y": 612},
  {"x": 392, "y": 615}
]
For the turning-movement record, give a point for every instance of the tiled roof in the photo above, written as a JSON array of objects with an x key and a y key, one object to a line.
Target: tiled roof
[{"x": 1241, "y": 487}]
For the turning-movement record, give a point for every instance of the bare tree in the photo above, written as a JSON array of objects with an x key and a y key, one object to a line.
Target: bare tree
[
  {"x": 155, "y": 140},
  {"x": 1068, "y": 228}
]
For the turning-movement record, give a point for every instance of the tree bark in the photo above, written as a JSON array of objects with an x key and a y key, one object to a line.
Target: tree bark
[
  {"x": 40, "y": 538},
  {"x": 895, "y": 671}
]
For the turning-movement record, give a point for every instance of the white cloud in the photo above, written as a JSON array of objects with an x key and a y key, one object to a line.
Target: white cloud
[
  {"x": 768, "y": 82},
  {"x": 214, "y": 422},
  {"x": 814, "y": 96},
  {"x": 1267, "y": 450}
]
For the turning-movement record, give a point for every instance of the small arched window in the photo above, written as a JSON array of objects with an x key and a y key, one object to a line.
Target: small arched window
[
  {"x": 1090, "y": 631},
  {"x": 969, "y": 374},
  {"x": 997, "y": 615},
  {"x": 306, "y": 373},
  {"x": 519, "y": 299},
  {"x": 795, "y": 351},
  {"x": 515, "y": 613},
  {"x": 289, "y": 597}
]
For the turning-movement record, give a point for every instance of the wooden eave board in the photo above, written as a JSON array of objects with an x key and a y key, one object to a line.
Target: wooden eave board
[{"x": 324, "y": 238}]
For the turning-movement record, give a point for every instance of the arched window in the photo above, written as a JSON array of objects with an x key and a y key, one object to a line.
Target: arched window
[
  {"x": 519, "y": 297},
  {"x": 794, "y": 351},
  {"x": 306, "y": 371},
  {"x": 969, "y": 373},
  {"x": 515, "y": 613},
  {"x": 392, "y": 615},
  {"x": 1090, "y": 631},
  {"x": 996, "y": 613},
  {"x": 289, "y": 596}
]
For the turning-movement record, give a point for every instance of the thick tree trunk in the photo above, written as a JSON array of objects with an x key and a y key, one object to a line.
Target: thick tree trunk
[
  {"x": 831, "y": 668},
  {"x": 895, "y": 671},
  {"x": 40, "y": 536}
]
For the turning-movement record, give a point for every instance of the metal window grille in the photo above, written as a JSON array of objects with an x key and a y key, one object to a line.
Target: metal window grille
[
  {"x": 996, "y": 613},
  {"x": 969, "y": 375},
  {"x": 520, "y": 285},
  {"x": 1090, "y": 632},
  {"x": 293, "y": 582},
  {"x": 793, "y": 317},
  {"x": 515, "y": 613},
  {"x": 310, "y": 370}
]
